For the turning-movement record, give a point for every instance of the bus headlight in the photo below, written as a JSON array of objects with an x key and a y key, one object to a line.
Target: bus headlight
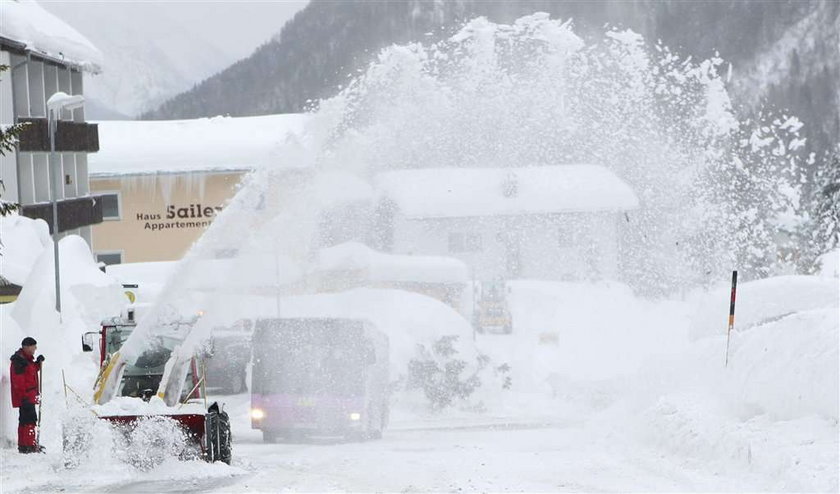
[
  {"x": 355, "y": 416},
  {"x": 257, "y": 414}
]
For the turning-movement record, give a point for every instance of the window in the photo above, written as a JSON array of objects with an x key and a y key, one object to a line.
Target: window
[
  {"x": 464, "y": 242},
  {"x": 109, "y": 257},
  {"x": 110, "y": 206}
]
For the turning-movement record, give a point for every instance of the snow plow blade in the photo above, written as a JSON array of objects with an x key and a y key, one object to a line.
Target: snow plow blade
[{"x": 209, "y": 433}]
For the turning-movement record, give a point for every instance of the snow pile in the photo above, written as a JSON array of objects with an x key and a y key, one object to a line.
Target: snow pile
[
  {"x": 462, "y": 192},
  {"x": 100, "y": 454},
  {"x": 141, "y": 273},
  {"x": 407, "y": 318},
  {"x": 772, "y": 411},
  {"x": 698, "y": 431},
  {"x": 126, "y": 405},
  {"x": 23, "y": 239},
  {"x": 830, "y": 264},
  {"x": 87, "y": 296},
  {"x": 627, "y": 367},
  {"x": 218, "y": 143},
  {"x": 760, "y": 301},
  {"x": 396, "y": 313},
  {"x": 377, "y": 266},
  {"x": 27, "y": 22},
  {"x": 787, "y": 368},
  {"x": 578, "y": 331}
]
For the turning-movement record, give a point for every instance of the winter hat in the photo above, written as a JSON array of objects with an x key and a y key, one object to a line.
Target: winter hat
[{"x": 28, "y": 341}]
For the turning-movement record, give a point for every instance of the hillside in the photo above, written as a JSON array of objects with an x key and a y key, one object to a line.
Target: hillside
[{"x": 784, "y": 53}]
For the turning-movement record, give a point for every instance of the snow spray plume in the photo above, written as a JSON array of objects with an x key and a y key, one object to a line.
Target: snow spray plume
[
  {"x": 534, "y": 93},
  {"x": 495, "y": 95}
]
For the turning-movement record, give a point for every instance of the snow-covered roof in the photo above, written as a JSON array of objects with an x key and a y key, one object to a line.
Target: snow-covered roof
[
  {"x": 203, "y": 144},
  {"x": 377, "y": 266},
  {"x": 467, "y": 192},
  {"x": 27, "y": 23}
]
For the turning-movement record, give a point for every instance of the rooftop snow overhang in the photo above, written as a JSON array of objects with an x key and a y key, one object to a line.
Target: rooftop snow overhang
[
  {"x": 202, "y": 145},
  {"x": 440, "y": 193},
  {"x": 25, "y": 49}
]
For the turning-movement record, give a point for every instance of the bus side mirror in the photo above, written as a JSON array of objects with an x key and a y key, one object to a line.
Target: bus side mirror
[{"x": 89, "y": 340}]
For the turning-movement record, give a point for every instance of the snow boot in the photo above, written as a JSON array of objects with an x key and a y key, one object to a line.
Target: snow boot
[{"x": 26, "y": 439}]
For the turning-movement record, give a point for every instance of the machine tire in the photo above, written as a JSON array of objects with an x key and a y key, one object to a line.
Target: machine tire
[{"x": 217, "y": 435}]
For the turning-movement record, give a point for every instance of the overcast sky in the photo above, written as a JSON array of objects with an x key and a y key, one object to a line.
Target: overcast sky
[
  {"x": 243, "y": 24},
  {"x": 155, "y": 49}
]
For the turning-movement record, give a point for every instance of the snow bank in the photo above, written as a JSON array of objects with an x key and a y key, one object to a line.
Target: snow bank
[
  {"x": 142, "y": 273},
  {"x": 203, "y": 144},
  {"x": 585, "y": 331},
  {"x": 798, "y": 455},
  {"x": 829, "y": 264},
  {"x": 627, "y": 367},
  {"x": 27, "y": 22},
  {"x": 23, "y": 239},
  {"x": 87, "y": 296},
  {"x": 788, "y": 368},
  {"x": 407, "y": 318},
  {"x": 377, "y": 266},
  {"x": 459, "y": 192},
  {"x": 761, "y": 300}
]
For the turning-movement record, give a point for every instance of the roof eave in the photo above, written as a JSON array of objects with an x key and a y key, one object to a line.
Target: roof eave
[{"x": 89, "y": 67}]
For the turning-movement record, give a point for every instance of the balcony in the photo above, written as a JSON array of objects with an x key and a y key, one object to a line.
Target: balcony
[
  {"x": 78, "y": 137},
  {"x": 72, "y": 213}
]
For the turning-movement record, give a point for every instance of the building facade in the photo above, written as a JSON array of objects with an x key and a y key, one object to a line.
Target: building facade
[
  {"x": 157, "y": 217},
  {"x": 163, "y": 182},
  {"x": 547, "y": 222},
  {"x": 44, "y": 56}
]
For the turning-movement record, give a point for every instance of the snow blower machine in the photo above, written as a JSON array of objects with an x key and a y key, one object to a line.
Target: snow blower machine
[{"x": 159, "y": 397}]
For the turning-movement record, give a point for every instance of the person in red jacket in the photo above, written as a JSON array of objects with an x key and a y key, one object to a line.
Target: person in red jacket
[{"x": 24, "y": 372}]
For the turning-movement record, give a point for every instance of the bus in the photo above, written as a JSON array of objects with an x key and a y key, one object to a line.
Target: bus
[{"x": 319, "y": 376}]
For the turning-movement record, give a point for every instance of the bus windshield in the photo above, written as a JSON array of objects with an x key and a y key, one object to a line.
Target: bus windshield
[{"x": 314, "y": 357}]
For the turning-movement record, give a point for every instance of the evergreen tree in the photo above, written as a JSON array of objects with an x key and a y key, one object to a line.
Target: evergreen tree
[{"x": 826, "y": 205}]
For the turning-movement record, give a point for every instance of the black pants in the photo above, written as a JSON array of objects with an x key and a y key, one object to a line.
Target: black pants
[{"x": 28, "y": 415}]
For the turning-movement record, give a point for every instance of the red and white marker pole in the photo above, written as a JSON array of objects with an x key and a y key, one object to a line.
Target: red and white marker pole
[{"x": 731, "y": 314}]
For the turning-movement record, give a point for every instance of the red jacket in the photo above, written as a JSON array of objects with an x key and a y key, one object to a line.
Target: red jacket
[{"x": 24, "y": 375}]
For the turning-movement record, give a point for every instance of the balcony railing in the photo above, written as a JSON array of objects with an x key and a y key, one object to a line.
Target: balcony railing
[
  {"x": 72, "y": 213},
  {"x": 69, "y": 136}
]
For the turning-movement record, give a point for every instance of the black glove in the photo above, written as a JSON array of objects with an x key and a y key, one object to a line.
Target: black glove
[{"x": 39, "y": 359}]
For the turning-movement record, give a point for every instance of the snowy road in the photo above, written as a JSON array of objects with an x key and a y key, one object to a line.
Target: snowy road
[
  {"x": 456, "y": 460},
  {"x": 441, "y": 453},
  {"x": 670, "y": 421}
]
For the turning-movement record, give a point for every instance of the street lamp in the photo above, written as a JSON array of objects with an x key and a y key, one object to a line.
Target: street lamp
[{"x": 57, "y": 102}]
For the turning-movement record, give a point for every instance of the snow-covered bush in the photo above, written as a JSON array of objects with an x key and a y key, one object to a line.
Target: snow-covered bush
[{"x": 445, "y": 376}]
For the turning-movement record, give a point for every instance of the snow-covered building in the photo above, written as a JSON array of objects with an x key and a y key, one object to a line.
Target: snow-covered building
[
  {"x": 541, "y": 222},
  {"x": 43, "y": 56},
  {"x": 352, "y": 264},
  {"x": 163, "y": 182}
]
